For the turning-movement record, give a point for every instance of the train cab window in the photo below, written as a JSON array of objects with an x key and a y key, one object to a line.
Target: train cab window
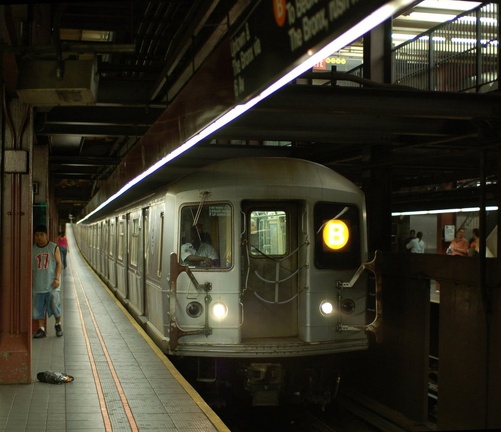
[
  {"x": 337, "y": 236},
  {"x": 268, "y": 232},
  {"x": 206, "y": 236}
]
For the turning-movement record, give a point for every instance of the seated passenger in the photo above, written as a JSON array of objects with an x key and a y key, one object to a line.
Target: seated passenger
[{"x": 199, "y": 253}]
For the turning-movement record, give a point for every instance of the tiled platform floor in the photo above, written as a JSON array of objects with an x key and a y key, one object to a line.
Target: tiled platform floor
[{"x": 122, "y": 381}]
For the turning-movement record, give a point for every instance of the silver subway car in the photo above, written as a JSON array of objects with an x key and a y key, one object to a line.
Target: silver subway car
[{"x": 256, "y": 259}]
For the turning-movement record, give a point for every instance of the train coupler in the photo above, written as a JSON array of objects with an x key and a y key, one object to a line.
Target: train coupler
[{"x": 264, "y": 381}]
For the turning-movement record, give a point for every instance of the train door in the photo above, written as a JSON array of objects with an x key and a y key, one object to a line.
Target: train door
[
  {"x": 94, "y": 245},
  {"x": 111, "y": 253},
  {"x": 99, "y": 251},
  {"x": 104, "y": 250},
  {"x": 153, "y": 228},
  {"x": 121, "y": 259},
  {"x": 270, "y": 259},
  {"x": 135, "y": 264}
]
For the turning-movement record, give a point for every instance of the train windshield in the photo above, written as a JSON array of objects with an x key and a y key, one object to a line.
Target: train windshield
[
  {"x": 337, "y": 236},
  {"x": 206, "y": 236},
  {"x": 268, "y": 232}
]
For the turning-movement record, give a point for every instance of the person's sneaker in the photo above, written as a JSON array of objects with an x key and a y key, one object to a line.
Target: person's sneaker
[
  {"x": 40, "y": 334},
  {"x": 59, "y": 330}
]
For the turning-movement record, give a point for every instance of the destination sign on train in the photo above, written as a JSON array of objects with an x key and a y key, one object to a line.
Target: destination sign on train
[{"x": 277, "y": 35}]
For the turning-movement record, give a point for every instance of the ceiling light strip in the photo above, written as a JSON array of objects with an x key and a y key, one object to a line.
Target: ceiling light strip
[
  {"x": 377, "y": 17},
  {"x": 444, "y": 211}
]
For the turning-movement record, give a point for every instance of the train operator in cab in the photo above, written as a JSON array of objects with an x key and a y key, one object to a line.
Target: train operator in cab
[{"x": 197, "y": 252}]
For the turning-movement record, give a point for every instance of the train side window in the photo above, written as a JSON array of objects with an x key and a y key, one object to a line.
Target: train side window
[
  {"x": 111, "y": 241},
  {"x": 337, "y": 236},
  {"x": 268, "y": 232},
  {"x": 134, "y": 241},
  {"x": 121, "y": 234},
  {"x": 206, "y": 232}
]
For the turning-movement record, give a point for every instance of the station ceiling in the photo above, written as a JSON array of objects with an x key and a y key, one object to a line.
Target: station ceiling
[{"x": 147, "y": 51}]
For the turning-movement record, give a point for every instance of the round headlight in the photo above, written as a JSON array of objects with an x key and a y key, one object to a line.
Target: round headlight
[
  {"x": 348, "y": 306},
  {"x": 194, "y": 309},
  {"x": 327, "y": 308},
  {"x": 219, "y": 310}
]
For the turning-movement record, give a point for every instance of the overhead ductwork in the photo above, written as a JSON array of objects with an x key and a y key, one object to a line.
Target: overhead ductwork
[{"x": 52, "y": 83}]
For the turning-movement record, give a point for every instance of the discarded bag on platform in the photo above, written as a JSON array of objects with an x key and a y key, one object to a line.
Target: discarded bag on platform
[{"x": 54, "y": 377}]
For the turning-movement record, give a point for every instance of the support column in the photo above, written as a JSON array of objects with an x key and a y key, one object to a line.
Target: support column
[
  {"x": 376, "y": 184},
  {"x": 16, "y": 241},
  {"x": 377, "y": 54},
  {"x": 377, "y": 166}
]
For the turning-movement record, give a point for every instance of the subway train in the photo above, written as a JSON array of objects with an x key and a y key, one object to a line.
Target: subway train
[{"x": 244, "y": 268}]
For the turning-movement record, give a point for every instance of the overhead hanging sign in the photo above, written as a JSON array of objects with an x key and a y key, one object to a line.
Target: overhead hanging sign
[{"x": 277, "y": 35}]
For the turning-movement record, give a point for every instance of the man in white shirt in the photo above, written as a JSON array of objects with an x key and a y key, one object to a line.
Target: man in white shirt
[
  {"x": 416, "y": 245},
  {"x": 199, "y": 253}
]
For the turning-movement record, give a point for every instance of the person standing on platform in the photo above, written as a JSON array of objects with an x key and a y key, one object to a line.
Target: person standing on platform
[
  {"x": 416, "y": 245},
  {"x": 46, "y": 279},
  {"x": 458, "y": 246},
  {"x": 474, "y": 243},
  {"x": 412, "y": 236},
  {"x": 62, "y": 242}
]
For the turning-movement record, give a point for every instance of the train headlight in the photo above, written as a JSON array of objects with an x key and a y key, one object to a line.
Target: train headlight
[
  {"x": 194, "y": 309},
  {"x": 219, "y": 310},
  {"x": 327, "y": 308},
  {"x": 336, "y": 234},
  {"x": 348, "y": 306}
]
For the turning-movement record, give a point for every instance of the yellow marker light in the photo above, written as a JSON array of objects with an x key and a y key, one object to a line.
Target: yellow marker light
[{"x": 336, "y": 234}]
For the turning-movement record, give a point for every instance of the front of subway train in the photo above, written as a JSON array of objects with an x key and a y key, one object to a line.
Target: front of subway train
[{"x": 282, "y": 277}]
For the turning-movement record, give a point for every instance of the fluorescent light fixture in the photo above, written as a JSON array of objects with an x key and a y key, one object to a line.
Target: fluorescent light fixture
[
  {"x": 426, "y": 38},
  {"x": 464, "y": 41},
  {"x": 453, "y": 210},
  {"x": 429, "y": 17},
  {"x": 402, "y": 36},
  {"x": 441, "y": 39},
  {"x": 449, "y": 5},
  {"x": 473, "y": 20},
  {"x": 405, "y": 37},
  {"x": 377, "y": 17}
]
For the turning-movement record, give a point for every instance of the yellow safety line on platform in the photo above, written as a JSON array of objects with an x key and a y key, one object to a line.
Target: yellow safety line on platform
[
  {"x": 205, "y": 408},
  {"x": 123, "y": 397}
]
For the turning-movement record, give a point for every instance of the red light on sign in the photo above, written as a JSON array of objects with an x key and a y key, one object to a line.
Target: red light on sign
[
  {"x": 320, "y": 65},
  {"x": 280, "y": 12}
]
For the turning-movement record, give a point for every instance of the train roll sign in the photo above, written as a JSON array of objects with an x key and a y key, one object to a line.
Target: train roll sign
[{"x": 277, "y": 35}]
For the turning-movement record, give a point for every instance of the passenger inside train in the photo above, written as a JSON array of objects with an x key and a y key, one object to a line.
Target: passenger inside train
[
  {"x": 211, "y": 226},
  {"x": 198, "y": 252}
]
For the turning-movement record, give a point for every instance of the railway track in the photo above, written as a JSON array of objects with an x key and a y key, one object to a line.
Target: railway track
[{"x": 349, "y": 415}]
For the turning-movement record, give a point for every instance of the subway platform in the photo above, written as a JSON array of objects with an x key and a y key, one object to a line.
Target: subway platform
[{"x": 122, "y": 381}]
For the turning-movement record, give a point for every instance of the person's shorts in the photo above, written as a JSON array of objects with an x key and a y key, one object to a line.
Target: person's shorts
[{"x": 47, "y": 302}]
